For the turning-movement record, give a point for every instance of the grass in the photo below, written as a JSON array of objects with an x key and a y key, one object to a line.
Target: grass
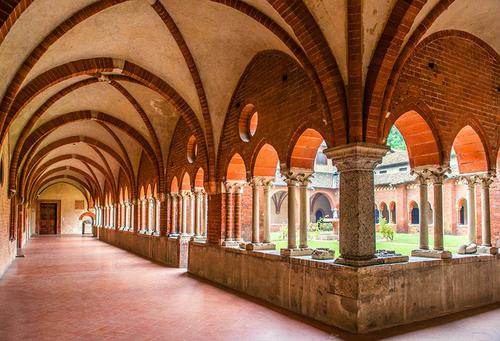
[{"x": 403, "y": 243}]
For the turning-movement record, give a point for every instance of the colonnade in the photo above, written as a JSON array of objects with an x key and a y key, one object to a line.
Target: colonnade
[
  {"x": 435, "y": 176},
  {"x": 188, "y": 213}
]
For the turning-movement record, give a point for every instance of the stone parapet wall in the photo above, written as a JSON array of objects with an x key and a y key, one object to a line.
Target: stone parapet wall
[
  {"x": 171, "y": 251},
  {"x": 355, "y": 299}
]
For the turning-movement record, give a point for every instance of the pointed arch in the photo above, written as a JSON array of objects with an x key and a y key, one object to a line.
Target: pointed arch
[
  {"x": 470, "y": 150},
  {"x": 174, "y": 185},
  {"x": 305, "y": 149},
  {"x": 186, "y": 182},
  {"x": 236, "y": 169},
  {"x": 199, "y": 178},
  {"x": 266, "y": 161}
]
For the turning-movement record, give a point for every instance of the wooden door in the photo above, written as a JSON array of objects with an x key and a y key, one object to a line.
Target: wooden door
[{"x": 48, "y": 218}]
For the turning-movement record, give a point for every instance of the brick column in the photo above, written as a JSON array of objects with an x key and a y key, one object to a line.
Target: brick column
[{"x": 356, "y": 162}]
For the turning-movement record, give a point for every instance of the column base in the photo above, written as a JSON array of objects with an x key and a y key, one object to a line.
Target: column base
[
  {"x": 440, "y": 254},
  {"x": 467, "y": 249},
  {"x": 260, "y": 246},
  {"x": 296, "y": 252},
  {"x": 198, "y": 238},
  {"x": 323, "y": 254},
  {"x": 231, "y": 243},
  {"x": 489, "y": 250},
  {"x": 359, "y": 262},
  {"x": 20, "y": 253}
]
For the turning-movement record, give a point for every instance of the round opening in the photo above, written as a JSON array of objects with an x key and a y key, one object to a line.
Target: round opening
[
  {"x": 248, "y": 122},
  {"x": 192, "y": 149}
]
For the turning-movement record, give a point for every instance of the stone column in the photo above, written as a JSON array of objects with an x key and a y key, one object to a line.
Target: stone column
[
  {"x": 160, "y": 202},
  {"x": 267, "y": 210},
  {"x": 471, "y": 181},
  {"x": 152, "y": 216},
  {"x": 114, "y": 216},
  {"x": 192, "y": 213},
  {"x": 197, "y": 212},
  {"x": 184, "y": 196},
  {"x": 205, "y": 214},
  {"x": 144, "y": 214},
  {"x": 291, "y": 180},
  {"x": 229, "y": 211},
  {"x": 127, "y": 215},
  {"x": 255, "y": 183},
  {"x": 486, "y": 247},
  {"x": 133, "y": 215},
  {"x": 423, "y": 178},
  {"x": 438, "y": 176},
  {"x": 304, "y": 209},
  {"x": 237, "y": 196},
  {"x": 356, "y": 162},
  {"x": 173, "y": 215},
  {"x": 179, "y": 213}
]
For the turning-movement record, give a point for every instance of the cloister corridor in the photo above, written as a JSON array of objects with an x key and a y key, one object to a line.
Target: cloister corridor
[{"x": 79, "y": 288}]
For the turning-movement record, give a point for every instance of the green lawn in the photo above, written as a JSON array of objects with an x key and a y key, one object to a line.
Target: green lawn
[{"x": 403, "y": 243}]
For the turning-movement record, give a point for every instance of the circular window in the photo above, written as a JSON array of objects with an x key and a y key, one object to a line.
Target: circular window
[
  {"x": 248, "y": 122},
  {"x": 192, "y": 149}
]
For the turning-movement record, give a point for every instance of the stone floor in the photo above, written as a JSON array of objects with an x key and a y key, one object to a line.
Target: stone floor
[{"x": 78, "y": 288}]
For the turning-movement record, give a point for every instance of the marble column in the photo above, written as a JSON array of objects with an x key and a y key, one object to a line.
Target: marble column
[
  {"x": 133, "y": 215},
  {"x": 197, "y": 212},
  {"x": 267, "y": 210},
  {"x": 152, "y": 216},
  {"x": 229, "y": 211},
  {"x": 291, "y": 180},
  {"x": 305, "y": 180},
  {"x": 191, "y": 213},
  {"x": 205, "y": 214},
  {"x": 471, "y": 182},
  {"x": 356, "y": 162},
  {"x": 184, "y": 196},
  {"x": 173, "y": 215},
  {"x": 485, "y": 181},
  {"x": 438, "y": 176},
  {"x": 422, "y": 179},
  {"x": 237, "y": 196},
  {"x": 255, "y": 183}
]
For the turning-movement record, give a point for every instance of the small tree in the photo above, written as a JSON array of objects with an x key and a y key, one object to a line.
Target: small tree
[{"x": 386, "y": 229}]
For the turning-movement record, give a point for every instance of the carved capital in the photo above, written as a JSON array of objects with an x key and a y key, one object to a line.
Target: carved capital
[
  {"x": 356, "y": 156},
  {"x": 438, "y": 174},
  {"x": 470, "y": 180},
  {"x": 423, "y": 175},
  {"x": 486, "y": 179}
]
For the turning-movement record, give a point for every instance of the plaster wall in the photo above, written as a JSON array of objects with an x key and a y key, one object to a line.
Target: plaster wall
[
  {"x": 69, "y": 215},
  {"x": 355, "y": 299}
]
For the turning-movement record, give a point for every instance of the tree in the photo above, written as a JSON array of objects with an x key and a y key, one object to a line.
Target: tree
[{"x": 395, "y": 139}]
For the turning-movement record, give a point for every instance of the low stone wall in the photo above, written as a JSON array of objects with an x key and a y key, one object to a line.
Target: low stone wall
[
  {"x": 355, "y": 299},
  {"x": 171, "y": 251}
]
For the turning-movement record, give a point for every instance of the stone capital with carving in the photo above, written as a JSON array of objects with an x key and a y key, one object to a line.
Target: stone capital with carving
[
  {"x": 291, "y": 178},
  {"x": 486, "y": 179},
  {"x": 423, "y": 175},
  {"x": 438, "y": 174},
  {"x": 470, "y": 180},
  {"x": 356, "y": 156}
]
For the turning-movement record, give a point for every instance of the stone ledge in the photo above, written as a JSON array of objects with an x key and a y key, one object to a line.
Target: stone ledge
[
  {"x": 296, "y": 252},
  {"x": 489, "y": 250},
  {"x": 260, "y": 246},
  {"x": 431, "y": 254}
]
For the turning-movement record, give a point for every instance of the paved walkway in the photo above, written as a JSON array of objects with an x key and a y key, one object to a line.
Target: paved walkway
[{"x": 78, "y": 288}]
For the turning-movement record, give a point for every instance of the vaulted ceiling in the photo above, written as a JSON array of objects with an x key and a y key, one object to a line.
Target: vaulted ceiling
[{"x": 87, "y": 86}]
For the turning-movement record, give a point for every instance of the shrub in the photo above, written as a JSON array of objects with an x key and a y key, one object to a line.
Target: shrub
[{"x": 386, "y": 229}]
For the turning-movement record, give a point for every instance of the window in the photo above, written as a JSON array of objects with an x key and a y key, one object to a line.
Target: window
[
  {"x": 403, "y": 169},
  {"x": 382, "y": 172},
  {"x": 192, "y": 149},
  {"x": 247, "y": 125}
]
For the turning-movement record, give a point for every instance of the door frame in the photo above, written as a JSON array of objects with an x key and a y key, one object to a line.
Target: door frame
[{"x": 58, "y": 224}]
